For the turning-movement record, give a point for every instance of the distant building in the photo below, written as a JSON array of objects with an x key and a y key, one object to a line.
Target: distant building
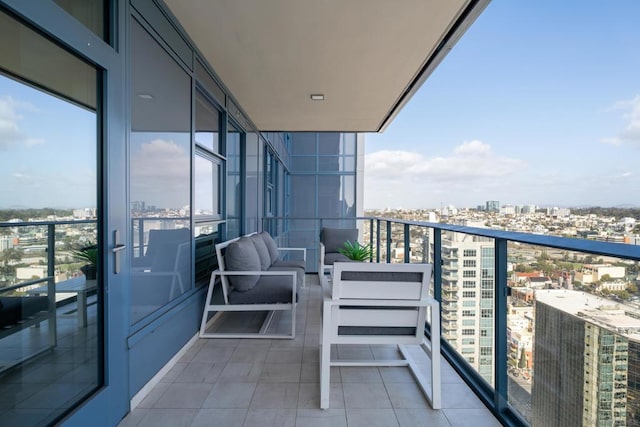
[
  {"x": 586, "y": 361},
  {"x": 493, "y": 206},
  {"x": 467, "y": 298}
]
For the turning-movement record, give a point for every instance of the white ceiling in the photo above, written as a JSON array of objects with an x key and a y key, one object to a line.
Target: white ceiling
[{"x": 363, "y": 55}]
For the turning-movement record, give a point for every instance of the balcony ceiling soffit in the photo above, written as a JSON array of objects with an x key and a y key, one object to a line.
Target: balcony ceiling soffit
[{"x": 362, "y": 55}]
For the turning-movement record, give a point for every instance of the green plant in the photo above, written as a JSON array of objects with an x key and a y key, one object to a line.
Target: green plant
[
  {"x": 356, "y": 252},
  {"x": 89, "y": 254}
]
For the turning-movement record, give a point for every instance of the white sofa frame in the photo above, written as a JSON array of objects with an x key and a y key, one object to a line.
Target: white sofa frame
[
  {"x": 340, "y": 302},
  {"x": 227, "y": 288}
]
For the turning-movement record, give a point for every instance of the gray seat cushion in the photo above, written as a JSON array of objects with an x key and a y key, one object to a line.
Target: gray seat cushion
[
  {"x": 268, "y": 290},
  {"x": 299, "y": 271},
  {"x": 271, "y": 246},
  {"x": 334, "y": 238},
  {"x": 242, "y": 255},
  {"x": 291, "y": 264},
  {"x": 263, "y": 252},
  {"x": 331, "y": 257}
]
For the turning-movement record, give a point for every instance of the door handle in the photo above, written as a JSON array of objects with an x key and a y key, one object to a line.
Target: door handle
[{"x": 117, "y": 248}]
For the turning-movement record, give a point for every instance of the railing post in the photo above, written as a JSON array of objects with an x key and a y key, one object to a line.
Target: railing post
[
  {"x": 407, "y": 243},
  {"x": 377, "y": 240},
  {"x": 388, "y": 242},
  {"x": 51, "y": 251},
  {"x": 51, "y": 282},
  {"x": 371, "y": 237},
  {"x": 437, "y": 264},
  {"x": 500, "y": 334}
]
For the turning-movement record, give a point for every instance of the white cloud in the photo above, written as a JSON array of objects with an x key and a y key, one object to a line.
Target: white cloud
[
  {"x": 10, "y": 132},
  {"x": 160, "y": 173},
  {"x": 469, "y": 160},
  {"x": 471, "y": 172},
  {"x": 631, "y": 131}
]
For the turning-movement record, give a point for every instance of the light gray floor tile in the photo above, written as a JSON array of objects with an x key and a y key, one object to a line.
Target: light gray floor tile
[
  {"x": 174, "y": 372},
  {"x": 184, "y": 396},
  {"x": 422, "y": 417},
  {"x": 279, "y": 355},
  {"x": 459, "y": 396},
  {"x": 199, "y": 372},
  {"x": 241, "y": 372},
  {"x": 230, "y": 395},
  {"x": 371, "y": 418},
  {"x": 270, "y": 418},
  {"x": 214, "y": 354},
  {"x": 461, "y": 417},
  {"x": 250, "y": 354},
  {"x": 365, "y": 395},
  {"x": 396, "y": 374},
  {"x": 134, "y": 418},
  {"x": 153, "y": 396},
  {"x": 275, "y": 396},
  {"x": 168, "y": 418},
  {"x": 328, "y": 421},
  {"x": 360, "y": 374},
  {"x": 281, "y": 372},
  {"x": 220, "y": 417},
  {"x": 406, "y": 395}
]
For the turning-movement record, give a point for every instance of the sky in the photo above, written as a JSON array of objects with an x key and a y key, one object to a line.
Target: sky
[
  {"x": 47, "y": 150},
  {"x": 538, "y": 103}
]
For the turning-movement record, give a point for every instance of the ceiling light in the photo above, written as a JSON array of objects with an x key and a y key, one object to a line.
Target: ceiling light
[
  {"x": 145, "y": 96},
  {"x": 317, "y": 96}
]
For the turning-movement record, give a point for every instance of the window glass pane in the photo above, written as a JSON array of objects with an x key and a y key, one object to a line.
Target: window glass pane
[
  {"x": 207, "y": 124},
  {"x": 234, "y": 190},
  {"x": 207, "y": 180},
  {"x": 329, "y": 143},
  {"x": 303, "y": 143},
  {"x": 336, "y": 196},
  {"x": 160, "y": 177},
  {"x": 24, "y": 52},
  {"x": 49, "y": 360},
  {"x": 90, "y": 12}
]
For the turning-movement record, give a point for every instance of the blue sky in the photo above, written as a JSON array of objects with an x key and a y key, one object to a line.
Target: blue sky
[
  {"x": 538, "y": 103},
  {"x": 47, "y": 150}
]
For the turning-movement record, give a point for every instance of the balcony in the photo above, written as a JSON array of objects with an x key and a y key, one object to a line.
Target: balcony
[
  {"x": 275, "y": 382},
  {"x": 494, "y": 368}
]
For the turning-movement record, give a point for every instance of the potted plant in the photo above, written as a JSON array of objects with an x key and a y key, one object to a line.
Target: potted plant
[
  {"x": 89, "y": 254},
  {"x": 356, "y": 252}
]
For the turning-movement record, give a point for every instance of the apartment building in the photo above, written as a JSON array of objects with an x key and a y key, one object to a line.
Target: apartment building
[{"x": 586, "y": 349}]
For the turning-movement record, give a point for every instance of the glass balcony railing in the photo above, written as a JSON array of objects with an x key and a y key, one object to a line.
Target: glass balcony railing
[{"x": 545, "y": 329}]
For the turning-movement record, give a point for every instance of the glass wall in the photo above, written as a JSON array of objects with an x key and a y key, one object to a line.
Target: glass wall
[
  {"x": 160, "y": 175},
  {"x": 234, "y": 182},
  {"x": 50, "y": 295},
  {"x": 322, "y": 186}
]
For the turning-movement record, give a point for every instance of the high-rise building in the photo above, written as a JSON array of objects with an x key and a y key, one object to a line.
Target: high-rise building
[
  {"x": 493, "y": 206},
  {"x": 467, "y": 299},
  {"x": 586, "y": 352}
]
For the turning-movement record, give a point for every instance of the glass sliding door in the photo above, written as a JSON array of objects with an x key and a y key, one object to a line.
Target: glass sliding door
[
  {"x": 51, "y": 278},
  {"x": 160, "y": 176}
]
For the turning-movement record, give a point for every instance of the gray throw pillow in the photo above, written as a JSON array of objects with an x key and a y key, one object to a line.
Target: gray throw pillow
[
  {"x": 334, "y": 238},
  {"x": 271, "y": 246},
  {"x": 242, "y": 255},
  {"x": 263, "y": 252}
]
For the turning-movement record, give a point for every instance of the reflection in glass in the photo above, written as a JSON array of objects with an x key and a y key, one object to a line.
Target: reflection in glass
[
  {"x": 49, "y": 359},
  {"x": 207, "y": 124},
  {"x": 92, "y": 14},
  {"x": 160, "y": 153},
  {"x": 207, "y": 179},
  {"x": 234, "y": 190}
]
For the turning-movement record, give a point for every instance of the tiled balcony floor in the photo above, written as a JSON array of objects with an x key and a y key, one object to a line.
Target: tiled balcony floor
[{"x": 251, "y": 382}]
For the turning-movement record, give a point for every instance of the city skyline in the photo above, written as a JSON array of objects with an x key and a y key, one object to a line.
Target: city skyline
[{"x": 537, "y": 103}]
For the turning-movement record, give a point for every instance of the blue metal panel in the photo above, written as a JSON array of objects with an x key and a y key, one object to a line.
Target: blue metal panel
[{"x": 153, "y": 346}]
